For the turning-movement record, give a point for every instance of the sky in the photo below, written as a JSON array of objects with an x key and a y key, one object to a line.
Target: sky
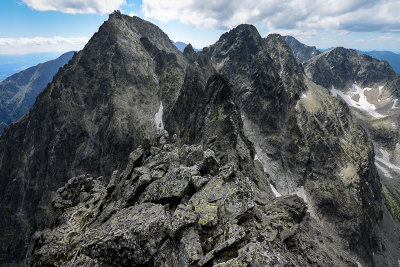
[{"x": 29, "y": 26}]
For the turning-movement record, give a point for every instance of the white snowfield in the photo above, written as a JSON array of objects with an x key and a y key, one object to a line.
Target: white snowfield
[
  {"x": 301, "y": 193},
  {"x": 383, "y": 170},
  {"x": 362, "y": 102},
  {"x": 385, "y": 160},
  {"x": 158, "y": 117},
  {"x": 276, "y": 193},
  {"x": 395, "y": 104}
]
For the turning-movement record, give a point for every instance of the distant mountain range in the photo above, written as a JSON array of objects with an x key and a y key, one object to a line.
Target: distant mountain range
[
  {"x": 304, "y": 52},
  {"x": 392, "y": 58},
  {"x": 18, "y": 92},
  {"x": 181, "y": 46},
  {"x": 11, "y": 64}
]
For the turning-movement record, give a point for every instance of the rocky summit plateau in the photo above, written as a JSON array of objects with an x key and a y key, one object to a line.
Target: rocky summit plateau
[{"x": 241, "y": 154}]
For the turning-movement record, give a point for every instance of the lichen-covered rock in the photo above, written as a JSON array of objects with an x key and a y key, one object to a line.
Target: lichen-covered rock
[
  {"x": 219, "y": 223},
  {"x": 130, "y": 237},
  {"x": 174, "y": 185},
  {"x": 190, "y": 250},
  {"x": 182, "y": 217}
]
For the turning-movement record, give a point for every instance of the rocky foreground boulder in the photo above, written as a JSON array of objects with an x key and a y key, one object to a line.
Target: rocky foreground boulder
[{"x": 180, "y": 207}]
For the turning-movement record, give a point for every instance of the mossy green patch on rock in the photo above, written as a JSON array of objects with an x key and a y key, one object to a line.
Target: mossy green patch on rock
[{"x": 392, "y": 201}]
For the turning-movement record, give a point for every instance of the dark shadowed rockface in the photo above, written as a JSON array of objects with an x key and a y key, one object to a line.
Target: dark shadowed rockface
[
  {"x": 301, "y": 51},
  {"x": 206, "y": 142},
  {"x": 371, "y": 88},
  {"x": 19, "y": 91},
  {"x": 182, "y": 207},
  {"x": 304, "y": 138},
  {"x": 98, "y": 108},
  {"x": 341, "y": 67}
]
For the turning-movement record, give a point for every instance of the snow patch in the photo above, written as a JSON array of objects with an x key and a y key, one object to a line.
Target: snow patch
[
  {"x": 276, "y": 193},
  {"x": 303, "y": 95},
  {"x": 383, "y": 169},
  {"x": 380, "y": 90},
  {"x": 385, "y": 155},
  {"x": 386, "y": 160},
  {"x": 256, "y": 157},
  {"x": 301, "y": 193},
  {"x": 362, "y": 102},
  {"x": 158, "y": 117},
  {"x": 358, "y": 264},
  {"x": 394, "y": 103}
]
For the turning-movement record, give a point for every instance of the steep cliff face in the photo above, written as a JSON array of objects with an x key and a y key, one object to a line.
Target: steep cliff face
[
  {"x": 18, "y": 92},
  {"x": 340, "y": 67},
  {"x": 245, "y": 125},
  {"x": 370, "y": 87},
  {"x": 97, "y": 109},
  {"x": 183, "y": 206},
  {"x": 304, "y": 138},
  {"x": 301, "y": 51}
]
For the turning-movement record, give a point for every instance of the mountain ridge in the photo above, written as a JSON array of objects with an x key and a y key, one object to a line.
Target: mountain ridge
[
  {"x": 392, "y": 58},
  {"x": 301, "y": 51},
  {"x": 304, "y": 52},
  {"x": 243, "y": 120},
  {"x": 18, "y": 92}
]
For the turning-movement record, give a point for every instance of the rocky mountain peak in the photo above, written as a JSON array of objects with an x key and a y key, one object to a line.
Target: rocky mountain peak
[
  {"x": 242, "y": 31},
  {"x": 341, "y": 67},
  {"x": 137, "y": 27},
  {"x": 194, "y": 189},
  {"x": 104, "y": 103},
  {"x": 371, "y": 89},
  {"x": 279, "y": 49},
  {"x": 301, "y": 51},
  {"x": 242, "y": 40},
  {"x": 189, "y": 52},
  {"x": 188, "y": 49}
]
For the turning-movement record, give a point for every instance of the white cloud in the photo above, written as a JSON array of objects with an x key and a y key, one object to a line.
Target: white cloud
[
  {"x": 301, "y": 15},
  {"x": 41, "y": 44},
  {"x": 76, "y": 6}
]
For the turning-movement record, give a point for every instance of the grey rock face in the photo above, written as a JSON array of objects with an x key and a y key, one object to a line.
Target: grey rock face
[
  {"x": 301, "y": 51},
  {"x": 196, "y": 192},
  {"x": 301, "y": 134},
  {"x": 370, "y": 88},
  {"x": 340, "y": 67},
  {"x": 97, "y": 109},
  {"x": 219, "y": 224}
]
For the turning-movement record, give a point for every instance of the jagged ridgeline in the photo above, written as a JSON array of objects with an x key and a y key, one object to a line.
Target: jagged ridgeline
[
  {"x": 216, "y": 136},
  {"x": 18, "y": 92}
]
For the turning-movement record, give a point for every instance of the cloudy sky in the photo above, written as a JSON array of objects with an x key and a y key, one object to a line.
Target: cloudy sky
[{"x": 28, "y": 26}]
